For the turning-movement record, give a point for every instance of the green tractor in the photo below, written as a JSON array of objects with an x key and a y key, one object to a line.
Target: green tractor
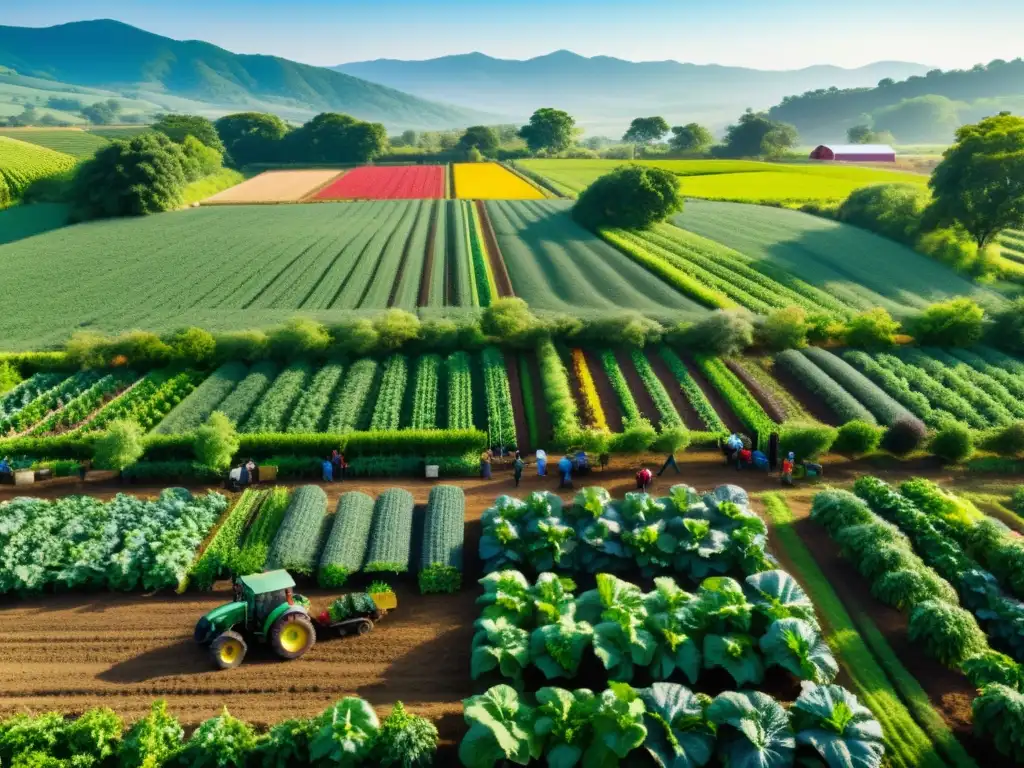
[{"x": 265, "y": 608}]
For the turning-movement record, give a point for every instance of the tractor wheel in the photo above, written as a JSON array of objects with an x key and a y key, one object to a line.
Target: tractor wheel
[
  {"x": 228, "y": 650},
  {"x": 363, "y": 627},
  {"x": 292, "y": 635}
]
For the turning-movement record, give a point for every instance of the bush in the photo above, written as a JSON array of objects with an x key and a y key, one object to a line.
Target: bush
[
  {"x": 630, "y": 197},
  {"x": 874, "y": 329},
  {"x": 784, "y": 329},
  {"x": 953, "y": 443},
  {"x": 216, "y": 442},
  {"x": 405, "y": 741},
  {"x": 1008, "y": 441},
  {"x": 855, "y": 438},
  {"x": 999, "y": 715},
  {"x": 1017, "y": 501},
  {"x": 956, "y": 250},
  {"x": 947, "y": 633},
  {"x": 298, "y": 337},
  {"x": 807, "y": 442},
  {"x": 892, "y": 210},
  {"x": 904, "y": 436},
  {"x": 508, "y": 318},
  {"x": 120, "y": 446},
  {"x": 955, "y": 323},
  {"x": 1007, "y": 330},
  {"x": 192, "y": 346},
  {"x": 725, "y": 333}
]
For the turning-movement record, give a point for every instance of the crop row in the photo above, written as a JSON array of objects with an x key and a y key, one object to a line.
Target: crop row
[
  {"x": 48, "y": 401},
  {"x": 691, "y": 390},
  {"x": 977, "y": 364},
  {"x": 191, "y": 412},
  {"x": 443, "y": 533},
  {"x": 223, "y": 548},
  {"x": 883, "y": 407},
  {"x": 272, "y": 411},
  {"x": 484, "y": 286},
  {"x": 81, "y": 407},
  {"x": 23, "y": 163},
  {"x": 529, "y": 401},
  {"x": 738, "y": 397},
  {"x": 765, "y": 394},
  {"x": 27, "y": 391},
  {"x": 351, "y": 402},
  {"x": 390, "y": 533},
  {"x": 460, "y": 391},
  {"x": 630, "y": 410},
  {"x": 898, "y": 388},
  {"x": 297, "y": 543},
  {"x": 387, "y": 413},
  {"x": 844, "y": 405},
  {"x": 311, "y": 410},
  {"x": 662, "y": 401},
  {"x": 557, "y": 391},
  {"x": 345, "y": 548},
  {"x": 149, "y": 401},
  {"x": 593, "y": 413},
  {"x": 243, "y": 398},
  {"x": 122, "y": 544},
  {"x": 501, "y": 424},
  {"x": 425, "y": 392}
]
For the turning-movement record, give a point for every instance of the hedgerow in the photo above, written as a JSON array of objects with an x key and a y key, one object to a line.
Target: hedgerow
[
  {"x": 387, "y": 412},
  {"x": 691, "y": 390},
  {"x": 390, "y": 533},
  {"x": 460, "y": 391},
  {"x": 271, "y": 413},
  {"x": 191, "y": 412},
  {"x": 883, "y": 407},
  {"x": 346, "y": 545},
  {"x": 501, "y": 424},
  {"x": 425, "y": 392},
  {"x": 351, "y": 401},
  {"x": 297, "y": 541},
  {"x": 443, "y": 532},
  {"x": 310, "y": 411},
  {"x": 840, "y": 402}
]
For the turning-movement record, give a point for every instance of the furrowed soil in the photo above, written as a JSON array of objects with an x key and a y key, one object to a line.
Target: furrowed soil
[
  {"x": 668, "y": 380},
  {"x": 603, "y": 385},
  {"x": 70, "y": 652},
  {"x": 813, "y": 405},
  {"x": 725, "y": 413},
  {"x": 644, "y": 401}
]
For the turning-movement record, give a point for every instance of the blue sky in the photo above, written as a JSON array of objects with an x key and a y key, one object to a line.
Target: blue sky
[{"x": 769, "y": 34}]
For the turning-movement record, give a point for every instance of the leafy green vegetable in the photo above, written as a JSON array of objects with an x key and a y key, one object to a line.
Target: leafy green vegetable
[
  {"x": 501, "y": 727},
  {"x": 735, "y": 653},
  {"x": 506, "y": 595},
  {"x": 557, "y": 649},
  {"x": 406, "y": 740},
  {"x": 777, "y": 595},
  {"x": 618, "y": 726},
  {"x": 841, "y": 729},
  {"x": 151, "y": 740},
  {"x": 753, "y": 730},
  {"x": 499, "y": 644},
  {"x": 678, "y": 735},
  {"x": 564, "y": 724},
  {"x": 795, "y": 645},
  {"x": 999, "y": 715},
  {"x": 347, "y": 733},
  {"x": 286, "y": 744},
  {"x": 220, "y": 742}
]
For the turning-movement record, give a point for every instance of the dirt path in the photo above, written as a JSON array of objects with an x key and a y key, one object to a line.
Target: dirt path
[
  {"x": 543, "y": 418},
  {"x": 725, "y": 413},
  {"x": 644, "y": 401},
  {"x": 668, "y": 380},
  {"x": 428, "y": 259},
  {"x": 498, "y": 268},
  {"x": 605, "y": 393},
  {"x": 515, "y": 389},
  {"x": 949, "y": 691}
]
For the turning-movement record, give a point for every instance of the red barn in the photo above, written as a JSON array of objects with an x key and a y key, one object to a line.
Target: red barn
[{"x": 855, "y": 153}]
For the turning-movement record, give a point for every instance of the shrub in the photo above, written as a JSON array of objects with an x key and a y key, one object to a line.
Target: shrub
[
  {"x": 855, "y": 438},
  {"x": 192, "y": 346},
  {"x": 904, "y": 436},
  {"x": 405, "y": 740},
  {"x": 299, "y": 337},
  {"x": 1017, "y": 500},
  {"x": 955, "y": 323},
  {"x": 784, "y": 329},
  {"x": 999, "y": 715},
  {"x": 892, "y": 210},
  {"x": 631, "y": 197},
  {"x": 725, "y": 332},
  {"x": 873, "y": 329},
  {"x": 955, "y": 249},
  {"x": 946, "y": 632},
  {"x": 1007, "y": 330},
  {"x": 216, "y": 442},
  {"x": 152, "y": 740},
  {"x": 807, "y": 442},
  {"x": 120, "y": 446},
  {"x": 509, "y": 319},
  {"x": 953, "y": 443},
  {"x": 223, "y": 741},
  {"x": 1008, "y": 441}
]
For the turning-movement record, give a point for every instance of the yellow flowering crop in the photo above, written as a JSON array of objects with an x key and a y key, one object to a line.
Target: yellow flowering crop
[
  {"x": 593, "y": 412},
  {"x": 489, "y": 181}
]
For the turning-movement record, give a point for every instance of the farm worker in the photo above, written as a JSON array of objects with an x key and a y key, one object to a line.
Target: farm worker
[
  {"x": 253, "y": 471},
  {"x": 5, "y": 466},
  {"x": 669, "y": 462},
  {"x": 336, "y": 464},
  {"x": 745, "y": 458},
  {"x": 643, "y": 479},
  {"x": 342, "y": 466},
  {"x": 328, "y": 471},
  {"x": 603, "y": 460},
  {"x": 517, "y": 468},
  {"x": 565, "y": 471},
  {"x": 542, "y": 463},
  {"x": 787, "y": 470},
  {"x": 243, "y": 476},
  {"x": 485, "y": 464}
]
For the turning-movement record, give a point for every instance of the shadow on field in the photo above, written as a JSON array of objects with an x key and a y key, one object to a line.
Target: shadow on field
[{"x": 184, "y": 657}]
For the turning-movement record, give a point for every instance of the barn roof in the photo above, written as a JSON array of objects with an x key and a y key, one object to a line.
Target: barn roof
[{"x": 861, "y": 149}]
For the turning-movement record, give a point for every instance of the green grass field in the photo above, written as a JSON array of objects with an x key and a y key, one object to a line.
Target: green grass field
[
  {"x": 119, "y": 131},
  {"x": 23, "y": 221},
  {"x": 860, "y": 269},
  {"x": 733, "y": 180},
  {"x": 217, "y": 267},
  {"x": 556, "y": 265},
  {"x": 22, "y": 163},
  {"x": 70, "y": 141}
]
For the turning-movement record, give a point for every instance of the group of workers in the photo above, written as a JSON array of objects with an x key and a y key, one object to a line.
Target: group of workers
[
  {"x": 578, "y": 463},
  {"x": 333, "y": 467}
]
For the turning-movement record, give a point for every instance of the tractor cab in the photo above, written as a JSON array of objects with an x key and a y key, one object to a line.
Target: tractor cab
[{"x": 265, "y": 607}]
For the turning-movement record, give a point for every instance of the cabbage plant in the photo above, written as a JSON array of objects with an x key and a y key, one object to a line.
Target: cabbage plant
[
  {"x": 753, "y": 730},
  {"x": 678, "y": 734},
  {"x": 842, "y": 730},
  {"x": 501, "y": 727}
]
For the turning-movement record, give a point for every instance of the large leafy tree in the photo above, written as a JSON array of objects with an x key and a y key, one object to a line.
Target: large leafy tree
[
  {"x": 980, "y": 182},
  {"x": 631, "y": 197},
  {"x": 691, "y": 137},
  {"x": 177, "y": 127},
  {"x": 144, "y": 174},
  {"x": 480, "y": 136},
  {"x": 548, "y": 129},
  {"x": 251, "y": 137},
  {"x": 756, "y": 134},
  {"x": 644, "y": 130},
  {"x": 331, "y": 137}
]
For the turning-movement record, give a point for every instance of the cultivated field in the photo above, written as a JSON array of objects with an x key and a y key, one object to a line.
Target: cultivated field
[
  {"x": 22, "y": 163},
  {"x": 408, "y": 182},
  {"x": 732, "y": 180},
  {"x": 489, "y": 181},
  {"x": 858, "y": 268},
  {"x": 556, "y": 265},
  {"x": 70, "y": 141},
  {"x": 273, "y": 187}
]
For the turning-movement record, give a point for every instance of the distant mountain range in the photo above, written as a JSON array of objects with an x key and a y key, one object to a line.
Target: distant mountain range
[
  {"x": 114, "y": 56},
  {"x": 605, "y": 93}
]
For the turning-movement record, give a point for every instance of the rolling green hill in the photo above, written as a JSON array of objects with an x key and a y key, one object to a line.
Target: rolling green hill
[{"x": 111, "y": 55}]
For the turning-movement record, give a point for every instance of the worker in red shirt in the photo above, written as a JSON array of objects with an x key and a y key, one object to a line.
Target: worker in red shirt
[
  {"x": 746, "y": 458},
  {"x": 787, "y": 470},
  {"x": 643, "y": 479}
]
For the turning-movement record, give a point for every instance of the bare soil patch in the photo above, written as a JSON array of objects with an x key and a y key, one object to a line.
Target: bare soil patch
[{"x": 725, "y": 413}]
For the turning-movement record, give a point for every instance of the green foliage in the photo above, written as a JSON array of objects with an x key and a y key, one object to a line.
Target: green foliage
[
  {"x": 120, "y": 446},
  {"x": 743, "y": 404},
  {"x": 644, "y": 130},
  {"x": 755, "y": 134},
  {"x": 501, "y": 425},
  {"x": 956, "y": 323},
  {"x": 220, "y": 742},
  {"x": 346, "y": 544},
  {"x": 818, "y": 382},
  {"x": 549, "y": 129},
  {"x": 9, "y": 377},
  {"x": 990, "y": 667},
  {"x": 152, "y": 740},
  {"x": 297, "y": 542},
  {"x": 980, "y": 182},
  {"x": 841, "y": 729},
  {"x": 482, "y": 137},
  {"x": 561, "y": 405},
  {"x": 883, "y": 407},
  {"x": 224, "y": 548},
  {"x": 691, "y": 137},
  {"x": 348, "y": 732},
  {"x": 753, "y": 729},
  {"x": 443, "y": 532},
  {"x": 856, "y": 438},
  {"x": 390, "y": 532},
  {"x": 500, "y": 728},
  {"x": 406, "y": 740},
  {"x": 784, "y": 329},
  {"x": 179, "y": 127},
  {"x": 286, "y": 744},
  {"x": 631, "y": 197},
  {"x": 1007, "y": 329},
  {"x": 871, "y": 329},
  {"x": 947, "y": 632},
  {"x": 904, "y": 436},
  {"x": 216, "y": 442},
  {"x": 892, "y": 210},
  {"x": 721, "y": 333},
  {"x": 251, "y": 137},
  {"x": 953, "y": 444},
  {"x": 331, "y": 137},
  {"x": 999, "y": 715}
]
